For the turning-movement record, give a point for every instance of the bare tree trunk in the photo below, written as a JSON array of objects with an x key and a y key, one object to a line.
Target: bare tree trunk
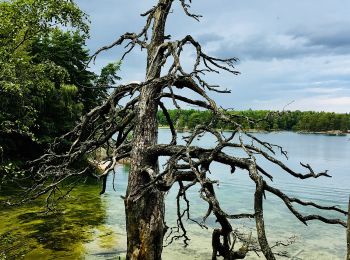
[
  {"x": 348, "y": 233},
  {"x": 259, "y": 219},
  {"x": 145, "y": 216}
]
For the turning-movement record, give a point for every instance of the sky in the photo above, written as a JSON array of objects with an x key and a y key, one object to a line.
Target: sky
[{"x": 293, "y": 54}]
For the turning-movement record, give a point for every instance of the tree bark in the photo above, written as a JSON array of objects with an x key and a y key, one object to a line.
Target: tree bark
[
  {"x": 259, "y": 219},
  {"x": 145, "y": 216},
  {"x": 348, "y": 233}
]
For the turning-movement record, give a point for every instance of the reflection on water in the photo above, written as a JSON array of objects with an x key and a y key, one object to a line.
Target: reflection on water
[{"x": 93, "y": 227}]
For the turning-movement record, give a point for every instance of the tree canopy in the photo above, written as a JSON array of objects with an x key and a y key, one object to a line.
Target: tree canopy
[
  {"x": 45, "y": 84},
  {"x": 25, "y": 80},
  {"x": 264, "y": 120}
]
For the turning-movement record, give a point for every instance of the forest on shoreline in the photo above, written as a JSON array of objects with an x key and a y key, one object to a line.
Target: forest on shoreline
[
  {"x": 264, "y": 120},
  {"x": 45, "y": 84}
]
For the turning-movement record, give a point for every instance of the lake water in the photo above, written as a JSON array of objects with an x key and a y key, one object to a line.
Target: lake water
[{"x": 93, "y": 227}]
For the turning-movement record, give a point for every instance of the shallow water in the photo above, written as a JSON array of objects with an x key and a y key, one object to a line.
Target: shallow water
[
  {"x": 31, "y": 232},
  {"x": 92, "y": 226}
]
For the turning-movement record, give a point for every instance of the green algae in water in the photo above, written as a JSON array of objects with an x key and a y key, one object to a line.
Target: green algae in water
[
  {"x": 106, "y": 238},
  {"x": 26, "y": 232}
]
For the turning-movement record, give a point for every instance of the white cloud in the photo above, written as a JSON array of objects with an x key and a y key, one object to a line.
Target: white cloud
[
  {"x": 290, "y": 50},
  {"x": 322, "y": 90},
  {"x": 325, "y": 103}
]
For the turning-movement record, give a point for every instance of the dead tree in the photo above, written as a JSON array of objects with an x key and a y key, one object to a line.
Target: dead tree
[{"x": 187, "y": 165}]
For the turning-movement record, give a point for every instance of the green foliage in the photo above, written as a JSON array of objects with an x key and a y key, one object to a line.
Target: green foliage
[
  {"x": 45, "y": 86},
  {"x": 265, "y": 120},
  {"x": 66, "y": 50},
  {"x": 10, "y": 171},
  {"x": 109, "y": 75},
  {"x": 21, "y": 20},
  {"x": 26, "y": 83}
]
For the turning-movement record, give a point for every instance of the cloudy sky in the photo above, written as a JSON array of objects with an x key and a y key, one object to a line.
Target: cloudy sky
[{"x": 289, "y": 51}]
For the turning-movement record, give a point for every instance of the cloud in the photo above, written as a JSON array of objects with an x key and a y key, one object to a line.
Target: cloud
[
  {"x": 323, "y": 90},
  {"x": 288, "y": 50},
  {"x": 332, "y": 36},
  {"x": 262, "y": 46},
  {"x": 207, "y": 38},
  {"x": 315, "y": 103},
  {"x": 325, "y": 103}
]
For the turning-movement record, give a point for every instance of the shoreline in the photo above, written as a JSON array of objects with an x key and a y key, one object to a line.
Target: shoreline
[{"x": 329, "y": 133}]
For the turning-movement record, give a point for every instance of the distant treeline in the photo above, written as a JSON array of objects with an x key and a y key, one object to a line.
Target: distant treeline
[{"x": 264, "y": 120}]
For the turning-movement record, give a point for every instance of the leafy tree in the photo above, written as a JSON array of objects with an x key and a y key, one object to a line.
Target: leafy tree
[
  {"x": 180, "y": 124},
  {"x": 194, "y": 120},
  {"x": 24, "y": 83},
  {"x": 66, "y": 50},
  {"x": 44, "y": 84}
]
